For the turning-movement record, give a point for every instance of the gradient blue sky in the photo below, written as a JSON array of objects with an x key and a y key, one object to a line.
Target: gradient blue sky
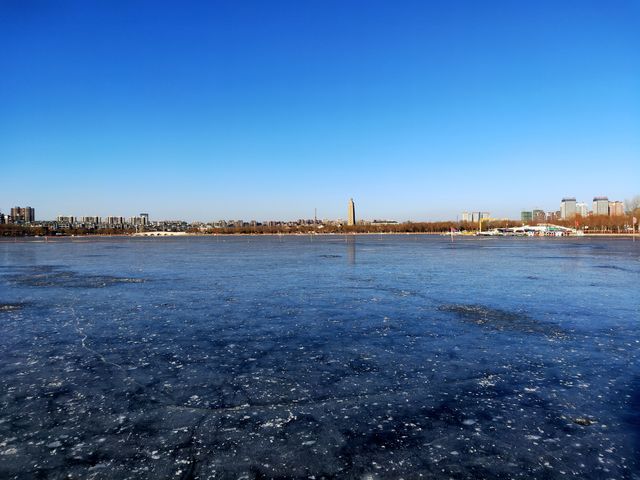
[{"x": 268, "y": 109}]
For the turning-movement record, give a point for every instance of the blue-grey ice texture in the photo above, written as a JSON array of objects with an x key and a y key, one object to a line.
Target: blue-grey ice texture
[{"x": 320, "y": 357}]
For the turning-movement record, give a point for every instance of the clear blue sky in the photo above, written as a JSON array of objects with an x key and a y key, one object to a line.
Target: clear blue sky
[{"x": 267, "y": 109}]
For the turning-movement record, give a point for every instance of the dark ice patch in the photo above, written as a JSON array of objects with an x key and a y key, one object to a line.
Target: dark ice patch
[
  {"x": 362, "y": 365},
  {"x": 501, "y": 320},
  {"x": 30, "y": 268},
  {"x": 584, "y": 421},
  {"x": 10, "y": 307},
  {"x": 68, "y": 279},
  {"x": 613, "y": 267}
]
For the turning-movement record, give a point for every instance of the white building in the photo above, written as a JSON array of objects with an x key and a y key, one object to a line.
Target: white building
[
  {"x": 616, "y": 209},
  {"x": 567, "y": 208},
  {"x": 600, "y": 206},
  {"x": 582, "y": 209}
]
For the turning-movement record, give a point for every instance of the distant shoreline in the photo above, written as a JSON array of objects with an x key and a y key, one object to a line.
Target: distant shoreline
[{"x": 56, "y": 238}]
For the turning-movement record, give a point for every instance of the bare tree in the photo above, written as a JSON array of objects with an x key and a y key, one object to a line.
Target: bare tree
[{"x": 633, "y": 203}]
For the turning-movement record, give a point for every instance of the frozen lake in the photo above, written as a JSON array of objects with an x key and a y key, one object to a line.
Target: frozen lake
[{"x": 363, "y": 357}]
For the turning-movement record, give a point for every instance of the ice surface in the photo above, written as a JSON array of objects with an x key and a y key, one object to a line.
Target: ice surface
[{"x": 294, "y": 357}]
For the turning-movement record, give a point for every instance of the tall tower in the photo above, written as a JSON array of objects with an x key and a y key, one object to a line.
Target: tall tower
[{"x": 352, "y": 213}]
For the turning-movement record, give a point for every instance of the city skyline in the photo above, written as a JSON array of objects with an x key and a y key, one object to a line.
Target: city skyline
[
  {"x": 420, "y": 110},
  {"x": 569, "y": 207}
]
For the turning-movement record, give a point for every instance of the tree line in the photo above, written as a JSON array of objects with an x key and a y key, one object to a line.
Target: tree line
[{"x": 592, "y": 224}]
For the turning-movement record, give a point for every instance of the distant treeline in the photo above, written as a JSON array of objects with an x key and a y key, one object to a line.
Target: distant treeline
[
  {"x": 592, "y": 224},
  {"x": 408, "y": 227},
  {"x": 595, "y": 224},
  {"x": 601, "y": 223}
]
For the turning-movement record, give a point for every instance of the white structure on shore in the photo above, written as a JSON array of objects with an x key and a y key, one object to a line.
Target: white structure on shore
[
  {"x": 542, "y": 230},
  {"x": 159, "y": 234}
]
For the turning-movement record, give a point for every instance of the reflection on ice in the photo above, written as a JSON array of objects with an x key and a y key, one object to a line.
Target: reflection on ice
[{"x": 351, "y": 249}]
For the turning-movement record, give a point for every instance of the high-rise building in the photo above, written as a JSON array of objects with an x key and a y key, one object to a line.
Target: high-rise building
[
  {"x": 582, "y": 210},
  {"x": 616, "y": 209},
  {"x": 567, "y": 208},
  {"x": 539, "y": 215},
  {"x": 526, "y": 216},
  {"x": 351, "y": 214},
  {"x": 474, "y": 216},
  {"x": 145, "y": 218},
  {"x": 23, "y": 215},
  {"x": 600, "y": 206},
  {"x": 477, "y": 216},
  {"x": 29, "y": 214},
  {"x": 115, "y": 220}
]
